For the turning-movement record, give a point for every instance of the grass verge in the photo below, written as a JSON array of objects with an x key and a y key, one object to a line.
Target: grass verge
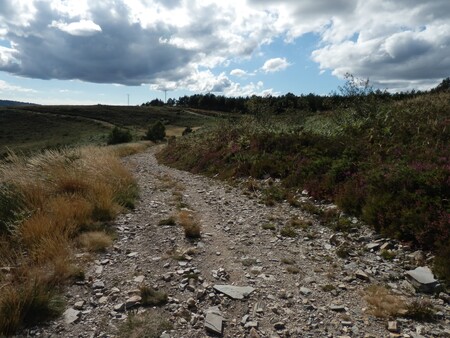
[{"x": 53, "y": 201}]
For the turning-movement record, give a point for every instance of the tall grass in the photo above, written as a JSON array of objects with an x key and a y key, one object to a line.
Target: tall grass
[{"x": 50, "y": 203}]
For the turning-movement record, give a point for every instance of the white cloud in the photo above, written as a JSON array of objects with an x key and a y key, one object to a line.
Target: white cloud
[
  {"x": 179, "y": 42},
  {"x": 240, "y": 73},
  {"x": 275, "y": 65},
  {"x": 79, "y": 28},
  {"x": 5, "y": 87}
]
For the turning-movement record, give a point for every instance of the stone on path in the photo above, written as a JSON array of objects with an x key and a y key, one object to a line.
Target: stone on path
[
  {"x": 373, "y": 245},
  {"x": 337, "y": 308},
  {"x": 71, "y": 316},
  {"x": 234, "y": 292},
  {"x": 305, "y": 291},
  {"x": 393, "y": 326},
  {"x": 422, "y": 279},
  {"x": 362, "y": 275},
  {"x": 214, "y": 320},
  {"x": 79, "y": 305}
]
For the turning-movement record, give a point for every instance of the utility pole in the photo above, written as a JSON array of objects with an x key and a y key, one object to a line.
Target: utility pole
[
  {"x": 165, "y": 96},
  {"x": 128, "y": 101}
]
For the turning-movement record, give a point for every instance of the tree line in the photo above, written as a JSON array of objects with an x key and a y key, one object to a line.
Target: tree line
[{"x": 353, "y": 89}]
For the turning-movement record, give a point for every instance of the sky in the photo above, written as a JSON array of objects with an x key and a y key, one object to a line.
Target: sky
[{"x": 124, "y": 52}]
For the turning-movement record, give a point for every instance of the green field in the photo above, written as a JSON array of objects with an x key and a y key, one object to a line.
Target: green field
[{"x": 31, "y": 128}]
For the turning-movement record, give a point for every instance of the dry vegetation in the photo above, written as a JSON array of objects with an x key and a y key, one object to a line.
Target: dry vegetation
[
  {"x": 188, "y": 220},
  {"x": 50, "y": 204},
  {"x": 382, "y": 303}
]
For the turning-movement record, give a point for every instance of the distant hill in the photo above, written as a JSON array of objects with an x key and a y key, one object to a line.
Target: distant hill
[{"x": 8, "y": 103}]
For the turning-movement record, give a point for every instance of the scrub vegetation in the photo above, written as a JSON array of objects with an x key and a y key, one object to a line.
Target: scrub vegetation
[{"x": 382, "y": 158}]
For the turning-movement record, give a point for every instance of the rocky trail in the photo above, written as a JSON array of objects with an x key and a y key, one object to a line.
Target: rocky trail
[{"x": 241, "y": 278}]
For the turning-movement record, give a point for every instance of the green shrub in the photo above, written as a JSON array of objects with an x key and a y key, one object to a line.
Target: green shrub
[
  {"x": 156, "y": 132},
  {"x": 118, "y": 135},
  {"x": 187, "y": 131}
]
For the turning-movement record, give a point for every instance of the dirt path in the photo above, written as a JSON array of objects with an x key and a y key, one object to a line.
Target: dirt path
[{"x": 301, "y": 287}]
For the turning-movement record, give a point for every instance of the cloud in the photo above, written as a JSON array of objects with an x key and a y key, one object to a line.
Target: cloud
[
  {"x": 80, "y": 28},
  {"x": 129, "y": 42},
  {"x": 275, "y": 65},
  {"x": 400, "y": 43},
  {"x": 404, "y": 58},
  {"x": 5, "y": 87},
  {"x": 240, "y": 73},
  {"x": 190, "y": 43}
]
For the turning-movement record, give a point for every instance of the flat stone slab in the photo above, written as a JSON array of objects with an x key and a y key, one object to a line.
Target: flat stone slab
[
  {"x": 71, "y": 316},
  {"x": 234, "y": 292},
  {"x": 422, "y": 279},
  {"x": 337, "y": 308},
  {"x": 214, "y": 321},
  {"x": 373, "y": 245},
  {"x": 305, "y": 291}
]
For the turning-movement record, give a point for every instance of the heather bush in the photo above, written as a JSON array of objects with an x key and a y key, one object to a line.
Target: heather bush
[{"x": 387, "y": 162}]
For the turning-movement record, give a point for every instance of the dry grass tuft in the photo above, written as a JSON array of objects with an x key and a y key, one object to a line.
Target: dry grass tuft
[
  {"x": 58, "y": 194},
  {"x": 126, "y": 149},
  {"x": 152, "y": 297},
  {"x": 27, "y": 304},
  {"x": 190, "y": 224},
  {"x": 149, "y": 324},
  {"x": 382, "y": 303},
  {"x": 95, "y": 241}
]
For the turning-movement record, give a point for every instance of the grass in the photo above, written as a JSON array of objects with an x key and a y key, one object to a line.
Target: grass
[
  {"x": 292, "y": 269},
  {"x": 421, "y": 310},
  {"x": 168, "y": 221},
  {"x": 388, "y": 254},
  {"x": 288, "y": 231},
  {"x": 24, "y": 131},
  {"x": 61, "y": 198},
  {"x": 327, "y": 288},
  {"x": 152, "y": 297},
  {"x": 269, "y": 226},
  {"x": 28, "y": 304},
  {"x": 288, "y": 261},
  {"x": 95, "y": 241},
  {"x": 382, "y": 303},
  {"x": 190, "y": 224},
  {"x": 299, "y": 223},
  {"x": 29, "y": 129},
  {"x": 150, "y": 324}
]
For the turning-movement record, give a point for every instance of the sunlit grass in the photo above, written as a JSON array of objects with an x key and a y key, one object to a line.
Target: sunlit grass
[{"x": 59, "y": 198}]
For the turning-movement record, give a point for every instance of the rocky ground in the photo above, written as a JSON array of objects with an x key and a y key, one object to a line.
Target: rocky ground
[{"x": 242, "y": 278}]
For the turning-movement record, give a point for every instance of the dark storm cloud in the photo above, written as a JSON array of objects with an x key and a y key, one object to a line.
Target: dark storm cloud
[{"x": 120, "y": 53}]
